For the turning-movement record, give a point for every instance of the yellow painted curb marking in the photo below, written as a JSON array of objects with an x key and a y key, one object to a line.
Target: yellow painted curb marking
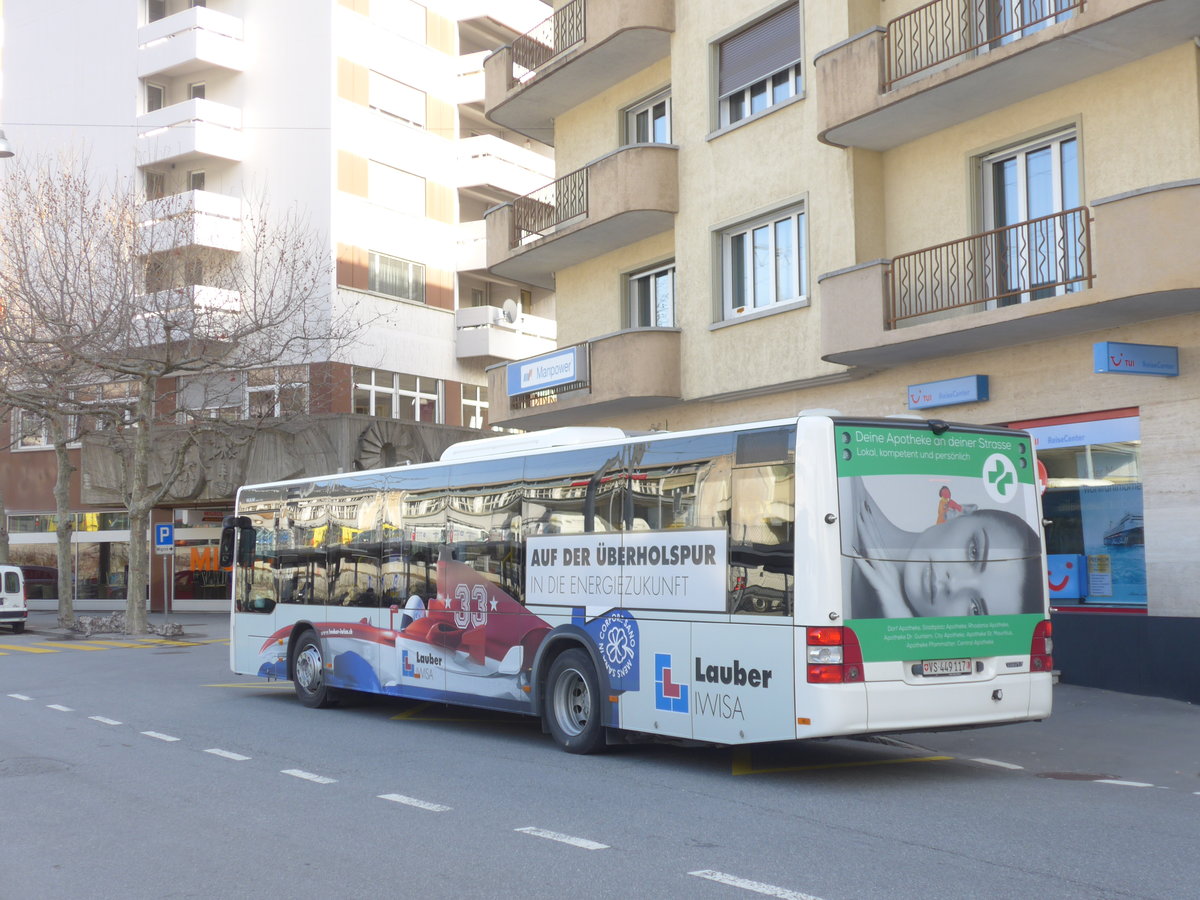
[{"x": 742, "y": 764}]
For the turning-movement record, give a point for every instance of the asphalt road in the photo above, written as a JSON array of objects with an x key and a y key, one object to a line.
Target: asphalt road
[{"x": 146, "y": 769}]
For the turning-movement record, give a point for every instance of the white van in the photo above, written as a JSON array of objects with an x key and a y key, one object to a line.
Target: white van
[{"x": 13, "y": 608}]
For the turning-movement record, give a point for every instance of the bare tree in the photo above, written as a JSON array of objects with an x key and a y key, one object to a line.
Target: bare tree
[{"x": 164, "y": 329}]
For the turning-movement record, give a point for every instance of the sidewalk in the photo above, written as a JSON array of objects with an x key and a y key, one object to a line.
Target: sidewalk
[{"x": 197, "y": 626}]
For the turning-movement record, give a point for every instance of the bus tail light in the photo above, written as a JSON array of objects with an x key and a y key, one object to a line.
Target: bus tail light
[
  {"x": 834, "y": 655},
  {"x": 1041, "y": 648}
]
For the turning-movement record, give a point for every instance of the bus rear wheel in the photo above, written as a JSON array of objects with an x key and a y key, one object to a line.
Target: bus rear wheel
[
  {"x": 308, "y": 672},
  {"x": 572, "y": 706}
]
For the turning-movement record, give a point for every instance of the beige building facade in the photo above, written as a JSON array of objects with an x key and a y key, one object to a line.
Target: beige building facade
[{"x": 977, "y": 210}]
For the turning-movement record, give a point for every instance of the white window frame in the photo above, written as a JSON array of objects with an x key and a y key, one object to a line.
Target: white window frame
[
  {"x": 425, "y": 389},
  {"x": 31, "y": 430},
  {"x": 650, "y": 277},
  {"x": 274, "y": 391},
  {"x": 162, "y": 96},
  {"x": 403, "y": 402},
  {"x": 415, "y": 276},
  {"x": 646, "y": 109},
  {"x": 1063, "y": 196},
  {"x": 741, "y": 294},
  {"x": 474, "y": 399},
  {"x": 766, "y": 90}
]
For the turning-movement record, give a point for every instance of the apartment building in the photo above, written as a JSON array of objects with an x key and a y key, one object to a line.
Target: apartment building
[
  {"x": 976, "y": 210},
  {"x": 365, "y": 117}
]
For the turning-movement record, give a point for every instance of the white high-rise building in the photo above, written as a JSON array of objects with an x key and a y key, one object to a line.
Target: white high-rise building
[{"x": 365, "y": 116}]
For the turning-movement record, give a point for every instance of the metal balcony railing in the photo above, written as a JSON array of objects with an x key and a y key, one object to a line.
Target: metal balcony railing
[
  {"x": 943, "y": 29},
  {"x": 538, "y": 214},
  {"x": 1027, "y": 261},
  {"x": 545, "y": 41}
]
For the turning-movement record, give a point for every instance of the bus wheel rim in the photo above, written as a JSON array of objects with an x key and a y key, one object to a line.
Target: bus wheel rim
[
  {"x": 572, "y": 702},
  {"x": 308, "y": 668}
]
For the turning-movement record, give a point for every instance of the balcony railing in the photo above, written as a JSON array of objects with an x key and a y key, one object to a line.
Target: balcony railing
[
  {"x": 1015, "y": 264},
  {"x": 549, "y": 38},
  {"x": 538, "y": 214},
  {"x": 944, "y": 29}
]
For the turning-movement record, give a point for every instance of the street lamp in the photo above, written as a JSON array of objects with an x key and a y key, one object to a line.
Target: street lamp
[{"x": 6, "y": 149}]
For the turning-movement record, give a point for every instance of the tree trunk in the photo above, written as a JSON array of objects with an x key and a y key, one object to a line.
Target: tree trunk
[
  {"x": 66, "y": 524},
  {"x": 3, "y": 527},
  {"x": 139, "y": 513}
]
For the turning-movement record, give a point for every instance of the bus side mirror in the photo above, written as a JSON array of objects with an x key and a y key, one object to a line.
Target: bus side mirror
[
  {"x": 225, "y": 556},
  {"x": 241, "y": 531},
  {"x": 246, "y": 542}
]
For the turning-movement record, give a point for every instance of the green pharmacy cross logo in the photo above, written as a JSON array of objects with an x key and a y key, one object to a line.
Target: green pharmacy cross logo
[{"x": 999, "y": 477}]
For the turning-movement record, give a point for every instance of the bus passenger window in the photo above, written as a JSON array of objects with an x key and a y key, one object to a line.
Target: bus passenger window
[{"x": 761, "y": 548}]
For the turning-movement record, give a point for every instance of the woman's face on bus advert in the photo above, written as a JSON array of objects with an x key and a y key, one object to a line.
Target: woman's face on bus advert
[{"x": 972, "y": 565}]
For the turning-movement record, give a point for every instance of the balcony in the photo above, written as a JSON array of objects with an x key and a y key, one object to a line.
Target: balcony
[
  {"x": 947, "y": 63},
  {"x": 489, "y": 161},
  {"x": 487, "y": 332},
  {"x": 191, "y": 41},
  {"x": 583, "y": 49},
  {"x": 181, "y": 314},
  {"x": 193, "y": 218},
  {"x": 628, "y": 370},
  {"x": 192, "y": 130},
  {"x": 617, "y": 200},
  {"x": 1051, "y": 277},
  {"x": 470, "y": 246}
]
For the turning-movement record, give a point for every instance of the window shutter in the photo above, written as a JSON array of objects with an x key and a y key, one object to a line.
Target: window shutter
[{"x": 760, "y": 50}]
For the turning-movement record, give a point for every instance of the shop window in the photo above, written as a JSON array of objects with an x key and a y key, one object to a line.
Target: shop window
[{"x": 1095, "y": 539}]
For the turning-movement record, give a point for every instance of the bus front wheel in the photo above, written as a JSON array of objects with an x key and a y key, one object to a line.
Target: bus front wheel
[
  {"x": 573, "y": 703},
  {"x": 308, "y": 672}
]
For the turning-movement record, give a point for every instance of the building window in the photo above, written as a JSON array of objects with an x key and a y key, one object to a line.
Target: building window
[
  {"x": 155, "y": 10},
  {"x": 395, "y": 277},
  {"x": 1027, "y": 186},
  {"x": 1095, "y": 540},
  {"x": 652, "y": 297},
  {"x": 649, "y": 122},
  {"x": 196, "y": 90},
  {"x": 760, "y": 67},
  {"x": 113, "y": 404},
  {"x": 392, "y": 395},
  {"x": 474, "y": 406},
  {"x": 276, "y": 392},
  {"x": 31, "y": 430},
  {"x": 765, "y": 262},
  {"x": 156, "y": 185},
  {"x": 196, "y": 180},
  {"x": 396, "y": 99},
  {"x": 155, "y": 96},
  {"x": 395, "y": 188}
]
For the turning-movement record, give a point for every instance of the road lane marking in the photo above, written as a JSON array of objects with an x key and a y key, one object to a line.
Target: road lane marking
[
  {"x": 743, "y": 765},
  {"x": 1122, "y": 783},
  {"x": 998, "y": 763},
  {"x": 757, "y": 887},
  {"x": 59, "y": 707},
  {"x": 413, "y": 801},
  {"x": 70, "y": 645},
  {"x": 257, "y": 685},
  {"x": 308, "y": 776},
  {"x": 226, "y": 754},
  {"x": 582, "y": 843},
  {"x": 23, "y": 648},
  {"x": 104, "y": 721},
  {"x": 159, "y": 736},
  {"x": 20, "y": 697}
]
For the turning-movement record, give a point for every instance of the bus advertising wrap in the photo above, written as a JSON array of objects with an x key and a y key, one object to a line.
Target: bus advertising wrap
[
  {"x": 673, "y": 570},
  {"x": 941, "y": 548}
]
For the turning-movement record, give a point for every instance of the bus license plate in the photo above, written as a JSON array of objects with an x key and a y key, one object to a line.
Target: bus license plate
[{"x": 946, "y": 667}]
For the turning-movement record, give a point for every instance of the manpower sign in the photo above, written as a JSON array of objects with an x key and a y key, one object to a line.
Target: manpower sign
[{"x": 551, "y": 370}]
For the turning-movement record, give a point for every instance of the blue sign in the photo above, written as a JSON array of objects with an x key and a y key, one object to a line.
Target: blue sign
[
  {"x": 541, "y": 372},
  {"x": 164, "y": 538},
  {"x": 967, "y": 389},
  {"x": 1116, "y": 358}
]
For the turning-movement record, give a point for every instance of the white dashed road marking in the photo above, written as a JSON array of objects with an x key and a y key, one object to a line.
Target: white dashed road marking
[
  {"x": 59, "y": 707},
  {"x": 20, "y": 697},
  {"x": 103, "y": 721},
  {"x": 226, "y": 754},
  {"x": 1123, "y": 783},
  {"x": 998, "y": 764},
  {"x": 757, "y": 887},
  {"x": 582, "y": 843},
  {"x": 308, "y": 776},
  {"x": 413, "y": 801},
  {"x": 159, "y": 736}
]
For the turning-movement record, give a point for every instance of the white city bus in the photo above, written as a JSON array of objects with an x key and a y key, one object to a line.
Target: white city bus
[{"x": 809, "y": 577}]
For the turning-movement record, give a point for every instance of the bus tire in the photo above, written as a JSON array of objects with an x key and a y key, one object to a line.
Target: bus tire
[
  {"x": 308, "y": 672},
  {"x": 572, "y": 707}
]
